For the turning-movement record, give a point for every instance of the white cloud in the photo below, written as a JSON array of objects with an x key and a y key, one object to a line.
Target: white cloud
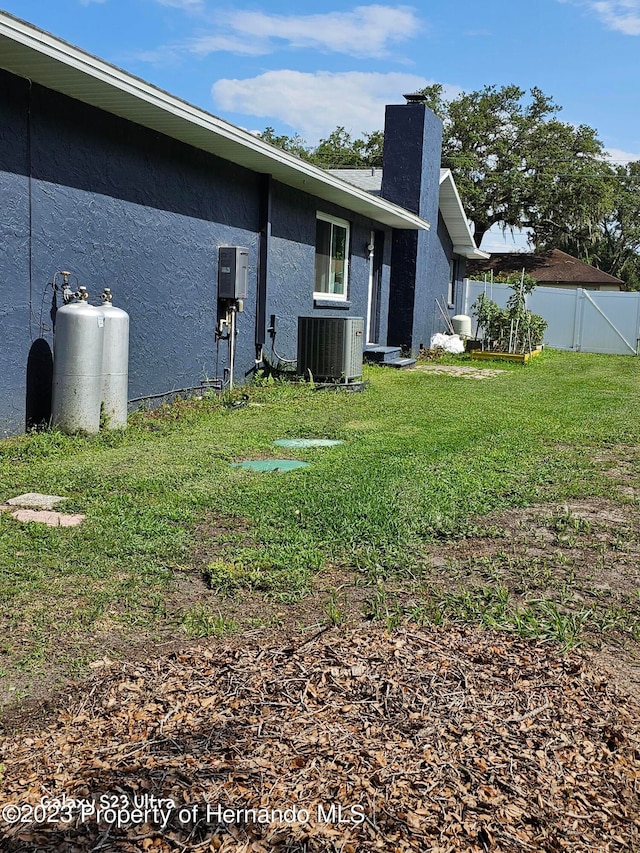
[
  {"x": 162, "y": 56},
  {"x": 187, "y": 5},
  {"x": 315, "y": 104},
  {"x": 620, "y": 15},
  {"x": 365, "y": 31},
  {"x": 227, "y": 42},
  {"x": 618, "y": 156}
]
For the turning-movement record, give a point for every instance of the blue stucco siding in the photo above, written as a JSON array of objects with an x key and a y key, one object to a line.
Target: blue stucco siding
[
  {"x": 438, "y": 260},
  {"x": 126, "y": 208},
  {"x": 402, "y": 174},
  {"x": 123, "y": 207},
  {"x": 14, "y": 256},
  {"x": 292, "y": 266},
  {"x": 436, "y": 283},
  {"x": 404, "y": 265}
]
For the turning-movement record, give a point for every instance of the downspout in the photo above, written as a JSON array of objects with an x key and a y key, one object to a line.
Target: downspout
[
  {"x": 266, "y": 183},
  {"x": 30, "y": 185}
]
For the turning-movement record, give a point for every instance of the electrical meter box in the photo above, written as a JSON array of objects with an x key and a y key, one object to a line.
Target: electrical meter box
[{"x": 233, "y": 270}]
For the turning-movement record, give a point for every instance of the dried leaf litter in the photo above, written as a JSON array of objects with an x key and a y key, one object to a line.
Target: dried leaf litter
[{"x": 348, "y": 741}]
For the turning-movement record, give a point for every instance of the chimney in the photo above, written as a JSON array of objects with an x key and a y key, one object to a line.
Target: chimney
[{"x": 411, "y": 179}]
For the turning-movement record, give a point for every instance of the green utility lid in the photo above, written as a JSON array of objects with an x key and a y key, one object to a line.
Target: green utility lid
[
  {"x": 271, "y": 464},
  {"x": 307, "y": 442}
]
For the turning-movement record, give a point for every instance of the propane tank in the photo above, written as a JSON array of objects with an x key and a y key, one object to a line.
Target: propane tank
[
  {"x": 77, "y": 365},
  {"x": 462, "y": 325},
  {"x": 115, "y": 364}
]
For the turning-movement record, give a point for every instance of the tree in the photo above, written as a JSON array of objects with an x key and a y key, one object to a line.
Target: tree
[
  {"x": 516, "y": 164},
  {"x": 337, "y": 151},
  {"x": 614, "y": 245},
  {"x": 340, "y": 151},
  {"x": 293, "y": 144},
  {"x": 618, "y": 250}
]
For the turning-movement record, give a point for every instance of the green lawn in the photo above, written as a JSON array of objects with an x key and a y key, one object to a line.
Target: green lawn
[{"x": 427, "y": 459}]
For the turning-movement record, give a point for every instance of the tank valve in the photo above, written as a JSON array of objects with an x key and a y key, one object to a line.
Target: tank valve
[
  {"x": 106, "y": 295},
  {"x": 83, "y": 293},
  {"x": 67, "y": 293}
]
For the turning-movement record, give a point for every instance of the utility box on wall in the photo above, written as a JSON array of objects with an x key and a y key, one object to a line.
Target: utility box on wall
[
  {"x": 330, "y": 348},
  {"x": 233, "y": 271}
]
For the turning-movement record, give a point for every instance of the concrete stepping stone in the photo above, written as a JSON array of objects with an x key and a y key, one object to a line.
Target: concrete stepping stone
[
  {"x": 43, "y": 512},
  {"x": 49, "y": 517},
  {"x": 37, "y": 500}
]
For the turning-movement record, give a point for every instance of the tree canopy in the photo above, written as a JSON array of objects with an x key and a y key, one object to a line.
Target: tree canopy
[
  {"x": 337, "y": 151},
  {"x": 516, "y": 164},
  {"x": 614, "y": 246}
]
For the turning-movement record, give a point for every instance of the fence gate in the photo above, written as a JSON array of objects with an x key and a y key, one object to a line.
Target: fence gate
[{"x": 578, "y": 319}]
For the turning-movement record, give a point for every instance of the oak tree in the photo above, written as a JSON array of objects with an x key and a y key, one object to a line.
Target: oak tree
[{"x": 516, "y": 164}]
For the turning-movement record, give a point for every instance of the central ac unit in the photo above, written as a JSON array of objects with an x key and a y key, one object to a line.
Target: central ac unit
[{"x": 330, "y": 348}]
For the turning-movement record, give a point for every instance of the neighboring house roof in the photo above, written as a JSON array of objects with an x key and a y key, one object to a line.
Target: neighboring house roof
[
  {"x": 551, "y": 266},
  {"x": 42, "y": 58},
  {"x": 450, "y": 206}
]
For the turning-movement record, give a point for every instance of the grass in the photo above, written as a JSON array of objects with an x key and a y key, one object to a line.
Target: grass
[
  {"x": 200, "y": 622},
  {"x": 494, "y": 607},
  {"x": 423, "y": 458}
]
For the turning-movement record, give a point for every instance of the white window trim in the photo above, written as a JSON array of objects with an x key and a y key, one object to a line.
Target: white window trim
[{"x": 343, "y": 223}]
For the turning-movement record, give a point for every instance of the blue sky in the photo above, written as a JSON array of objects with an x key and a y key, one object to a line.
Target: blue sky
[{"x": 307, "y": 68}]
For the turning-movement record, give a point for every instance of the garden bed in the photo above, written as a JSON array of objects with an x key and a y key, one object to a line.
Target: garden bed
[{"x": 517, "y": 357}]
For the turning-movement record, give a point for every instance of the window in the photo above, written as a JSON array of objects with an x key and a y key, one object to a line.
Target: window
[
  {"x": 451, "y": 294},
  {"x": 332, "y": 258}
]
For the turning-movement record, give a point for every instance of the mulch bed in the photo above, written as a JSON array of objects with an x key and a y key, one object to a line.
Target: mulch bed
[{"x": 350, "y": 741}]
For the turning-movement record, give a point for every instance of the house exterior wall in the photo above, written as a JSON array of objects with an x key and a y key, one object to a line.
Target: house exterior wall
[
  {"x": 14, "y": 255},
  {"x": 123, "y": 207},
  {"x": 291, "y": 275}
]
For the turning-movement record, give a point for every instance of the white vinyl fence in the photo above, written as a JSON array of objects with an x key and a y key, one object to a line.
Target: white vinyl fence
[{"x": 580, "y": 320}]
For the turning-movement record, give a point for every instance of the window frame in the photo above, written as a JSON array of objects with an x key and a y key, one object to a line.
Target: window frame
[
  {"x": 451, "y": 286},
  {"x": 346, "y": 226}
]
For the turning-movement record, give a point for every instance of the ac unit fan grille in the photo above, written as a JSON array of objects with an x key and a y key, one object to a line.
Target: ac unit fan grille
[{"x": 330, "y": 348}]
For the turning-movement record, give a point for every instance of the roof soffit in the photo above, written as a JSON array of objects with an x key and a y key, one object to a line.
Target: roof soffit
[{"x": 44, "y": 59}]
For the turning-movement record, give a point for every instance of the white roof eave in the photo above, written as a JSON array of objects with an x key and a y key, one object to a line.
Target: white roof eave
[
  {"x": 455, "y": 219},
  {"x": 471, "y": 254},
  {"x": 50, "y": 62}
]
